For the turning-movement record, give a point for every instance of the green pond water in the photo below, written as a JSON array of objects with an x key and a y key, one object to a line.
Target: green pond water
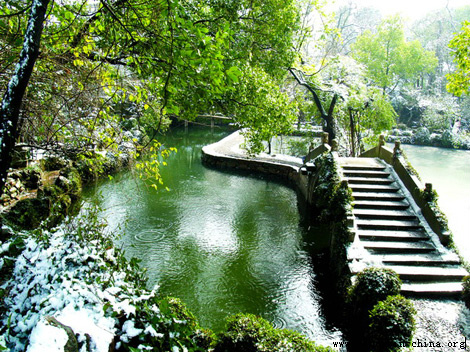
[
  {"x": 449, "y": 172},
  {"x": 224, "y": 243}
]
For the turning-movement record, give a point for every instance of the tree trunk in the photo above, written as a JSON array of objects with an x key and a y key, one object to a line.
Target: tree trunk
[
  {"x": 331, "y": 124},
  {"x": 13, "y": 97}
]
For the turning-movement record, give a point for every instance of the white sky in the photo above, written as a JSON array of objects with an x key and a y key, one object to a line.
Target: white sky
[{"x": 412, "y": 9}]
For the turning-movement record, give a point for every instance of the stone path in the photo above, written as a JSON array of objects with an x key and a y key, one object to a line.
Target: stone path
[
  {"x": 390, "y": 232},
  {"x": 230, "y": 147}
]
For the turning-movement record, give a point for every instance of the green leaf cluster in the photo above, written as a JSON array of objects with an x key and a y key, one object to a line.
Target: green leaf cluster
[
  {"x": 152, "y": 60},
  {"x": 249, "y": 333},
  {"x": 389, "y": 58},
  {"x": 459, "y": 80},
  {"x": 392, "y": 324},
  {"x": 260, "y": 108}
]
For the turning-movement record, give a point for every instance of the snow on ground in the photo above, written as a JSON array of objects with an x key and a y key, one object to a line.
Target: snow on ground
[
  {"x": 441, "y": 326},
  {"x": 68, "y": 279}
]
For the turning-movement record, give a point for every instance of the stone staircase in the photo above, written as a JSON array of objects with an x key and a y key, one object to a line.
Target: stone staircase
[{"x": 389, "y": 232}]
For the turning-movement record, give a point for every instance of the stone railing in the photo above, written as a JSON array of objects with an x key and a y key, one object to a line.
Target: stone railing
[
  {"x": 412, "y": 182},
  {"x": 323, "y": 147}
]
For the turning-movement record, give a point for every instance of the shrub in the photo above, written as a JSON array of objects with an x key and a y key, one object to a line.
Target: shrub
[
  {"x": 448, "y": 139},
  {"x": 466, "y": 290},
  {"x": 422, "y": 136},
  {"x": 248, "y": 333},
  {"x": 392, "y": 324},
  {"x": 373, "y": 285}
]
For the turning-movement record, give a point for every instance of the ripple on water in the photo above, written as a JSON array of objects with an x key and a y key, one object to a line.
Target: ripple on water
[{"x": 150, "y": 235}]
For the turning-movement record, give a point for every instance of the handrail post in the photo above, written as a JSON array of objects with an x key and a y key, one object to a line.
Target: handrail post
[
  {"x": 334, "y": 145},
  {"x": 381, "y": 144},
  {"x": 396, "y": 149},
  {"x": 381, "y": 140}
]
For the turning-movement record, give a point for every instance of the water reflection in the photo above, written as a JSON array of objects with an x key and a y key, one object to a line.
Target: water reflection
[
  {"x": 223, "y": 243},
  {"x": 449, "y": 172}
]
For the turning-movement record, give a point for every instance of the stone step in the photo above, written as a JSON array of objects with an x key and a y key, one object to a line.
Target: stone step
[
  {"x": 384, "y": 214},
  {"x": 373, "y": 188},
  {"x": 377, "y": 196},
  {"x": 429, "y": 273},
  {"x": 381, "y": 204},
  {"x": 361, "y": 163},
  {"x": 395, "y": 225},
  {"x": 393, "y": 236},
  {"x": 432, "y": 289},
  {"x": 369, "y": 180},
  {"x": 351, "y": 167},
  {"x": 429, "y": 259},
  {"x": 398, "y": 247},
  {"x": 366, "y": 173}
]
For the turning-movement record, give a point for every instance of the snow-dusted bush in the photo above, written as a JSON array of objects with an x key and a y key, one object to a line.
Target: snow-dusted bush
[
  {"x": 76, "y": 275},
  {"x": 422, "y": 136}
]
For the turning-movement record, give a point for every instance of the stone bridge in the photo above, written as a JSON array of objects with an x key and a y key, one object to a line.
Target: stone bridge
[{"x": 392, "y": 223}]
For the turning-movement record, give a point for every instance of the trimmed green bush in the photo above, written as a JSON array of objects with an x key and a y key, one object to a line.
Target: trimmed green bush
[
  {"x": 249, "y": 333},
  {"x": 392, "y": 324},
  {"x": 373, "y": 285},
  {"x": 466, "y": 291}
]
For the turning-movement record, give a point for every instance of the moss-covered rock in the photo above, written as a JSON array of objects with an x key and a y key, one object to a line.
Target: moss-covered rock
[
  {"x": 174, "y": 307},
  {"x": 70, "y": 182},
  {"x": 52, "y": 163},
  {"x": 31, "y": 177},
  {"x": 28, "y": 213}
]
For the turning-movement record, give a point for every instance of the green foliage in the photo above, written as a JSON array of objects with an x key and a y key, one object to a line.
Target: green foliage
[
  {"x": 361, "y": 101},
  {"x": 392, "y": 324},
  {"x": 299, "y": 147},
  {"x": 389, "y": 58},
  {"x": 422, "y": 136},
  {"x": 331, "y": 196},
  {"x": 371, "y": 286},
  {"x": 153, "y": 61},
  {"x": 149, "y": 166},
  {"x": 261, "y": 109},
  {"x": 466, "y": 290},
  {"x": 431, "y": 198},
  {"x": 459, "y": 80},
  {"x": 28, "y": 213},
  {"x": 439, "y": 112},
  {"x": 249, "y": 333}
]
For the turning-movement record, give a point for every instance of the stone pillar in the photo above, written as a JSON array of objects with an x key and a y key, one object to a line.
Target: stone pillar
[
  {"x": 396, "y": 149},
  {"x": 334, "y": 145},
  {"x": 381, "y": 140}
]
